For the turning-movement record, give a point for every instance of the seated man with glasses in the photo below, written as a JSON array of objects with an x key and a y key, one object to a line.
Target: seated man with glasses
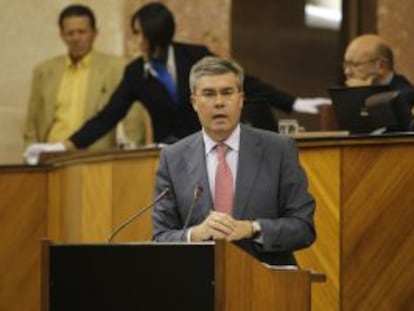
[{"x": 369, "y": 60}]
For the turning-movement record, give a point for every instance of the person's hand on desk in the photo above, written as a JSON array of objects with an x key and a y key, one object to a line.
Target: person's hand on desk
[
  {"x": 221, "y": 226},
  {"x": 33, "y": 151},
  {"x": 310, "y": 105}
]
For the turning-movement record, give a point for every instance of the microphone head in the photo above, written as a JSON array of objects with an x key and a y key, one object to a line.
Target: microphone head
[
  {"x": 197, "y": 191},
  {"x": 165, "y": 194}
]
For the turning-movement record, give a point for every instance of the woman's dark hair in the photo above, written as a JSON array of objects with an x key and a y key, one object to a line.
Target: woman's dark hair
[
  {"x": 157, "y": 24},
  {"x": 77, "y": 10}
]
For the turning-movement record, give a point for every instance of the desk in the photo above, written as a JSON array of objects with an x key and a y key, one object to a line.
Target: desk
[
  {"x": 364, "y": 217},
  {"x": 364, "y": 221}
]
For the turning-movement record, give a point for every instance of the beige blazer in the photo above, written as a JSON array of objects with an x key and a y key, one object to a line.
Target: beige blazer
[{"x": 106, "y": 72}]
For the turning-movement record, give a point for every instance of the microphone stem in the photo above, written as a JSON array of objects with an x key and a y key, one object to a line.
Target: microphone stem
[
  {"x": 133, "y": 217},
  {"x": 190, "y": 211}
]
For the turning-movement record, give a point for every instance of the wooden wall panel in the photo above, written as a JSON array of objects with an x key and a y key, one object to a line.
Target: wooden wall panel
[
  {"x": 54, "y": 212},
  {"x": 80, "y": 198},
  {"x": 23, "y": 224},
  {"x": 70, "y": 203},
  {"x": 322, "y": 166},
  {"x": 88, "y": 201},
  {"x": 96, "y": 205},
  {"x": 133, "y": 190},
  {"x": 378, "y": 231}
]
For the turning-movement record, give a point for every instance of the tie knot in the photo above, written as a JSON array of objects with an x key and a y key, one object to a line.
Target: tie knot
[{"x": 222, "y": 150}]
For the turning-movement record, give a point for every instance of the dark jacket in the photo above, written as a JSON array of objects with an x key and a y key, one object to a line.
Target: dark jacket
[{"x": 401, "y": 83}]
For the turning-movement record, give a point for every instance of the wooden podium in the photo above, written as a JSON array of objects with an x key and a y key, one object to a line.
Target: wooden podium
[{"x": 158, "y": 277}]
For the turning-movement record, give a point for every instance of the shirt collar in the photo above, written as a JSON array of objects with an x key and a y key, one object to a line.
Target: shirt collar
[
  {"x": 150, "y": 71},
  {"x": 83, "y": 63},
  {"x": 233, "y": 141},
  {"x": 389, "y": 78}
]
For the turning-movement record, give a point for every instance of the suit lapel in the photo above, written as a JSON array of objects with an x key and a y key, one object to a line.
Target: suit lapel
[
  {"x": 95, "y": 85},
  {"x": 53, "y": 79},
  {"x": 250, "y": 161},
  {"x": 197, "y": 173}
]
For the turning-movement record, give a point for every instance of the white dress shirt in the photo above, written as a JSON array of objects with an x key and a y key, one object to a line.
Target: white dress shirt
[
  {"x": 232, "y": 158},
  {"x": 171, "y": 66}
]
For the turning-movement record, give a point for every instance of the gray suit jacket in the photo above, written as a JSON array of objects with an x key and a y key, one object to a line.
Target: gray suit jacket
[{"x": 271, "y": 187}]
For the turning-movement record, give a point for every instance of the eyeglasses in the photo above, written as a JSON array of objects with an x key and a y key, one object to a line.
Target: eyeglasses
[
  {"x": 350, "y": 64},
  {"x": 211, "y": 96}
]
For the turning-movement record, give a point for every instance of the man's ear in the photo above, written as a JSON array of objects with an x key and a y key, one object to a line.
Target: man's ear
[
  {"x": 381, "y": 67},
  {"x": 242, "y": 98},
  {"x": 193, "y": 102},
  {"x": 381, "y": 63}
]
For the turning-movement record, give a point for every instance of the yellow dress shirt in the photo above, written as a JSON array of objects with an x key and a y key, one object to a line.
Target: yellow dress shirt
[{"x": 70, "y": 101}]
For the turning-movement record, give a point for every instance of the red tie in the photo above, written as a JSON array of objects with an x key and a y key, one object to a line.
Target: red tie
[{"x": 223, "y": 192}]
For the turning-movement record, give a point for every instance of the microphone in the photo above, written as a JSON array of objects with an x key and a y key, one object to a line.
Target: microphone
[
  {"x": 165, "y": 193},
  {"x": 197, "y": 191}
]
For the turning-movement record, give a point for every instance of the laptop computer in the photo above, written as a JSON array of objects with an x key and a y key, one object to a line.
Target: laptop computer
[{"x": 349, "y": 105}]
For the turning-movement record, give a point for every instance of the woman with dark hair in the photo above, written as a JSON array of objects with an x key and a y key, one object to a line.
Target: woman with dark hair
[
  {"x": 159, "y": 79},
  {"x": 154, "y": 26}
]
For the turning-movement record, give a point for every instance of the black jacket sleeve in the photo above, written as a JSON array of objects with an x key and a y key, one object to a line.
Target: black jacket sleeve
[{"x": 260, "y": 92}]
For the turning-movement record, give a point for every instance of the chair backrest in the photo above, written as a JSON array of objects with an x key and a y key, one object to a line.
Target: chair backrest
[{"x": 389, "y": 110}]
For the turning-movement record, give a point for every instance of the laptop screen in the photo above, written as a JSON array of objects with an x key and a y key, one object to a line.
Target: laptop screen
[{"x": 350, "y": 110}]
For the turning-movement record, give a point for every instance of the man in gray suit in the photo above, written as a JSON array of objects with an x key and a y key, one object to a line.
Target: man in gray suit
[{"x": 254, "y": 193}]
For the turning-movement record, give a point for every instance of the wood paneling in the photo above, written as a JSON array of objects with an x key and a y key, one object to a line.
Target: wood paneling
[
  {"x": 133, "y": 190},
  {"x": 268, "y": 289},
  {"x": 378, "y": 232},
  {"x": 23, "y": 224},
  {"x": 395, "y": 25},
  {"x": 364, "y": 217},
  {"x": 322, "y": 166},
  {"x": 89, "y": 199}
]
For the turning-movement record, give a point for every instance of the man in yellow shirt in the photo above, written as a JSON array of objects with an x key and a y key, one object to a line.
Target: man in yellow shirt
[{"x": 69, "y": 89}]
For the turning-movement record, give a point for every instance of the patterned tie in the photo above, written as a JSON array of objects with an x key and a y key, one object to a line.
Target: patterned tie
[{"x": 223, "y": 192}]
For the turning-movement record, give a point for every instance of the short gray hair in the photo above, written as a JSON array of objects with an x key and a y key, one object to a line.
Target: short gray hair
[{"x": 212, "y": 66}]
